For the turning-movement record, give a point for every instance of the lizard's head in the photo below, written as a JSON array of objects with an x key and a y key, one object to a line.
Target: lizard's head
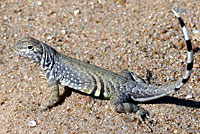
[{"x": 29, "y": 47}]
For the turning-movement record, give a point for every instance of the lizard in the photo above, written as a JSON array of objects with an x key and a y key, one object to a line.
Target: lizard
[{"x": 89, "y": 79}]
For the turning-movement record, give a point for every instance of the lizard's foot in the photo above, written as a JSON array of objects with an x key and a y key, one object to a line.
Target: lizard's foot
[
  {"x": 142, "y": 116},
  {"x": 35, "y": 109},
  {"x": 48, "y": 104},
  {"x": 39, "y": 109}
]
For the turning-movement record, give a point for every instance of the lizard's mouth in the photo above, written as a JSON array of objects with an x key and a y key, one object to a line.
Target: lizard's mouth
[
  {"x": 24, "y": 55},
  {"x": 18, "y": 52},
  {"x": 21, "y": 53},
  {"x": 21, "y": 56}
]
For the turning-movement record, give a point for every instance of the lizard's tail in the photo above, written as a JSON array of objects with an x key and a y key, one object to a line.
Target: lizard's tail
[
  {"x": 189, "y": 66},
  {"x": 154, "y": 92}
]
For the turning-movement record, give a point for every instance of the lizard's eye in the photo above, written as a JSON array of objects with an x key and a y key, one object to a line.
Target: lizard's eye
[{"x": 30, "y": 47}]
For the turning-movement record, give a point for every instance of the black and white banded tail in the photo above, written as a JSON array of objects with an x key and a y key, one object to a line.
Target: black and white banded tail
[
  {"x": 189, "y": 66},
  {"x": 155, "y": 92}
]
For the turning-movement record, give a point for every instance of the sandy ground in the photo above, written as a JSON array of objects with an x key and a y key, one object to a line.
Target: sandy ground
[{"x": 137, "y": 35}]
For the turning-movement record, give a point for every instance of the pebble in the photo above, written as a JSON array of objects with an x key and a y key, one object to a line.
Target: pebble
[
  {"x": 49, "y": 37},
  {"x": 32, "y": 123},
  {"x": 39, "y": 3},
  {"x": 196, "y": 65},
  {"x": 196, "y": 35},
  {"x": 125, "y": 127},
  {"x": 189, "y": 96},
  {"x": 63, "y": 32},
  {"x": 196, "y": 31},
  {"x": 86, "y": 99},
  {"x": 77, "y": 11}
]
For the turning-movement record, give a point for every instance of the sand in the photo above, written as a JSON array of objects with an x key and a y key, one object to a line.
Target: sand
[{"x": 138, "y": 35}]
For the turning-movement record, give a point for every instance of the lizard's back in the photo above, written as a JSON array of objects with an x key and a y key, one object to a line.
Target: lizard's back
[{"x": 89, "y": 78}]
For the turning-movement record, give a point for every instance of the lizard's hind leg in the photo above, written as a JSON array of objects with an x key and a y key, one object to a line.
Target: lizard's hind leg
[{"x": 119, "y": 103}]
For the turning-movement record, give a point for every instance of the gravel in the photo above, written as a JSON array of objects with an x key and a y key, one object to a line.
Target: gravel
[{"x": 138, "y": 35}]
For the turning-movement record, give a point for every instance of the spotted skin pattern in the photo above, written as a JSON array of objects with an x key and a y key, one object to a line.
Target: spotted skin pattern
[{"x": 97, "y": 82}]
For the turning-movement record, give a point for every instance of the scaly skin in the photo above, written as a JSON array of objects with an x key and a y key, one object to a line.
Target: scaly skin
[{"x": 95, "y": 81}]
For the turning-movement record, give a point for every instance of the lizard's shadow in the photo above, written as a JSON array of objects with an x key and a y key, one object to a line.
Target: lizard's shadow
[
  {"x": 67, "y": 92},
  {"x": 174, "y": 100},
  {"x": 164, "y": 100}
]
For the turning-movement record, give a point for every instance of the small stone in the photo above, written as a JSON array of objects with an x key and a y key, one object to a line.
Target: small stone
[
  {"x": 63, "y": 31},
  {"x": 31, "y": 24},
  {"x": 39, "y": 3},
  {"x": 49, "y": 37},
  {"x": 150, "y": 17},
  {"x": 90, "y": 57},
  {"x": 5, "y": 17},
  {"x": 32, "y": 123},
  {"x": 86, "y": 99},
  {"x": 196, "y": 35},
  {"x": 129, "y": 51},
  {"x": 100, "y": 1},
  {"x": 125, "y": 127},
  {"x": 196, "y": 65},
  {"x": 165, "y": 37},
  {"x": 138, "y": 68},
  {"x": 196, "y": 31},
  {"x": 189, "y": 96},
  {"x": 175, "y": 131},
  {"x": 77, "y": 11}
]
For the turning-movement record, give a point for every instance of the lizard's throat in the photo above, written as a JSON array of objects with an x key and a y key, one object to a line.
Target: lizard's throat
[{"x": 47, "y": 60}]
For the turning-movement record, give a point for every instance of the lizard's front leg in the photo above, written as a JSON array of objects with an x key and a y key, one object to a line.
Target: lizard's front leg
[{"x": 53, "y": 95}]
